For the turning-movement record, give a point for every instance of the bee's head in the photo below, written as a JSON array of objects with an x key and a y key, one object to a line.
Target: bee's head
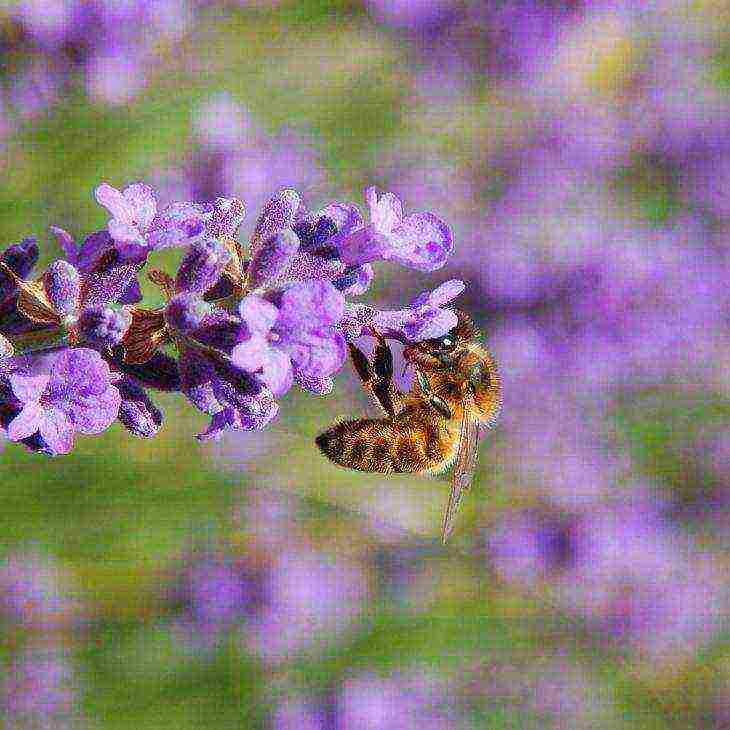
[{"x": 443, "y": 352}]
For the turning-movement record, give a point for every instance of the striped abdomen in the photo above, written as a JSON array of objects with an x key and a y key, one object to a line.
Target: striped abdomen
[{"x": 409, "y": 445}]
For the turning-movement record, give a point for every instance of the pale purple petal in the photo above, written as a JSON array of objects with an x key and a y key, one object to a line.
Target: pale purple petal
[
  {"x": 26, "y": 423},
  {"x": 441, "y": 295},
  {"x": 277, "y": 372},
  {"x": 279, "y": 213},
  {"x": 28, "y": 387},
  {"x": 423, "y": 241},
  {"x": 62, "y": 283},
  {"x": 386, "y": 213},
  {"x": 124, "y": 232},
  {"x": 316, "y": 385},
  {"x": 57, "y": 430},
  {"x": 316, "y": 353},
  {"x": 178, "y": 225},
  {"x": 67, "y": 243},
  {"x": 346, "y": 218},
  {"x": 258, "y": 314},
  {"x": 436, "y": 324},
  {"x": 272, "y": 258},
  {"x": 311, "y": 304},
  {"x": 143, "y": 202},
  {"x": 363, "y": 246},
  {"x": 95, "y": 413},
  {"x": 113, "y": 200},
  {"x": 251, "y": 354}
]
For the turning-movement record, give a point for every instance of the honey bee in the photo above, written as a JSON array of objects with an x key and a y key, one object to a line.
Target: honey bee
[{"x": 456, "y": 389}]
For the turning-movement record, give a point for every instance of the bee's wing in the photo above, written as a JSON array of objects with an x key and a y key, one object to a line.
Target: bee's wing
[{"x": 464, "y": 467}]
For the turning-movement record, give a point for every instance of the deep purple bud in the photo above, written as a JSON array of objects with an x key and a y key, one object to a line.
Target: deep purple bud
[
  {"x": 278, "y": 213},
  {"x": 62, "y": 283},
  {"x": 21, "y": 258},
  {"x": 355, "y": 280},
  {"x": 202, "y": 266},
  {"x": 228, "y": 214},
  {"x": 103, "y": 326},
  {"x": 186, "y": 312},
  {"x": 273, "y": 257},
  {"x": 314, "y": 231},
  {"x": 137, "y": 412}
]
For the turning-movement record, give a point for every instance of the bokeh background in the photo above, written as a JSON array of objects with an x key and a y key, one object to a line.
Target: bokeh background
[{"x": 581, "y": 152}]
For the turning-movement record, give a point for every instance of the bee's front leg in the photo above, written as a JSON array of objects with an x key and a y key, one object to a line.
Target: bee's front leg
[{"x": 377, "y": 375}]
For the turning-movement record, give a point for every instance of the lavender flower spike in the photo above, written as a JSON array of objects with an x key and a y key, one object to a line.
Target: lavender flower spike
[
  {"x": 58, "y": 393},
  {"x": 420, "y": 241}
]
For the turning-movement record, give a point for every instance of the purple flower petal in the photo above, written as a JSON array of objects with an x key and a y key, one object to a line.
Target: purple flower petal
[
  {"x": 437, "y": 324},
  {"x": 26, "y": 423},
  {"x": 124, "y": 232},
  {"x": 258, "y": 314},
  {"x": 67, "y": 243},
  {"x": 277, "y": 372},
  {"x": 113, "y": 200},
  {"x": 137, "y": 413},
  {"x": 91, "y": 249},
  {"x": 202, "y": 266},
  {"x": 423, "y": 241},
  {"x": 273, "y": 257},
  {"x": 346, "y": 218},
  {"x": 143, "y": 202},
  {"x": 311, "y": 304},
  {"x": 316, "y": 385},
  {"x": 252, "y": 354},
  {"x": 363, "y": 246},
  {"x": 279, "y": 213},
  {"x": 103, "y": 326},
  {"x": 197, "y": 375},
  {"x": 57, "y": 430},
  {"x": 62, "y": 283},
  {"x": 386, "y": 213},
  {"x": 441, "y": 295}
]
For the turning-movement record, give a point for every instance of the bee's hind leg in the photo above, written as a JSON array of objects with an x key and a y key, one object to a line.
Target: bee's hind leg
[{"x": 377, "y": 375}]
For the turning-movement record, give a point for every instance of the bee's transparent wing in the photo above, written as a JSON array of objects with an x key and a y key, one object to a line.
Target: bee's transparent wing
[{"x": 466, "y": 461}]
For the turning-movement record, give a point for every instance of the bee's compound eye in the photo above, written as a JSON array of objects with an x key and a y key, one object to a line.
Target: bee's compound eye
[{"x": 447, "y": 342}]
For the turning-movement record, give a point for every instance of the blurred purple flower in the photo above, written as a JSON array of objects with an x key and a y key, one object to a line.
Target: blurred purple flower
[
  {"x": 312, "y": 600},
  {"x": 618, "y": 565},
  {"x": 216, "y": 593},
  {"x": 412, "y": 15},
  {"x": 40, "y": 689},
  {"x": 34, "y": 594}
]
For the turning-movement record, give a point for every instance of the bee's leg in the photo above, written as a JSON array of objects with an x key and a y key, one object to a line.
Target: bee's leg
[
  {"x": 377, "y": 375},
  {"x": 434, "y": 401}
]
